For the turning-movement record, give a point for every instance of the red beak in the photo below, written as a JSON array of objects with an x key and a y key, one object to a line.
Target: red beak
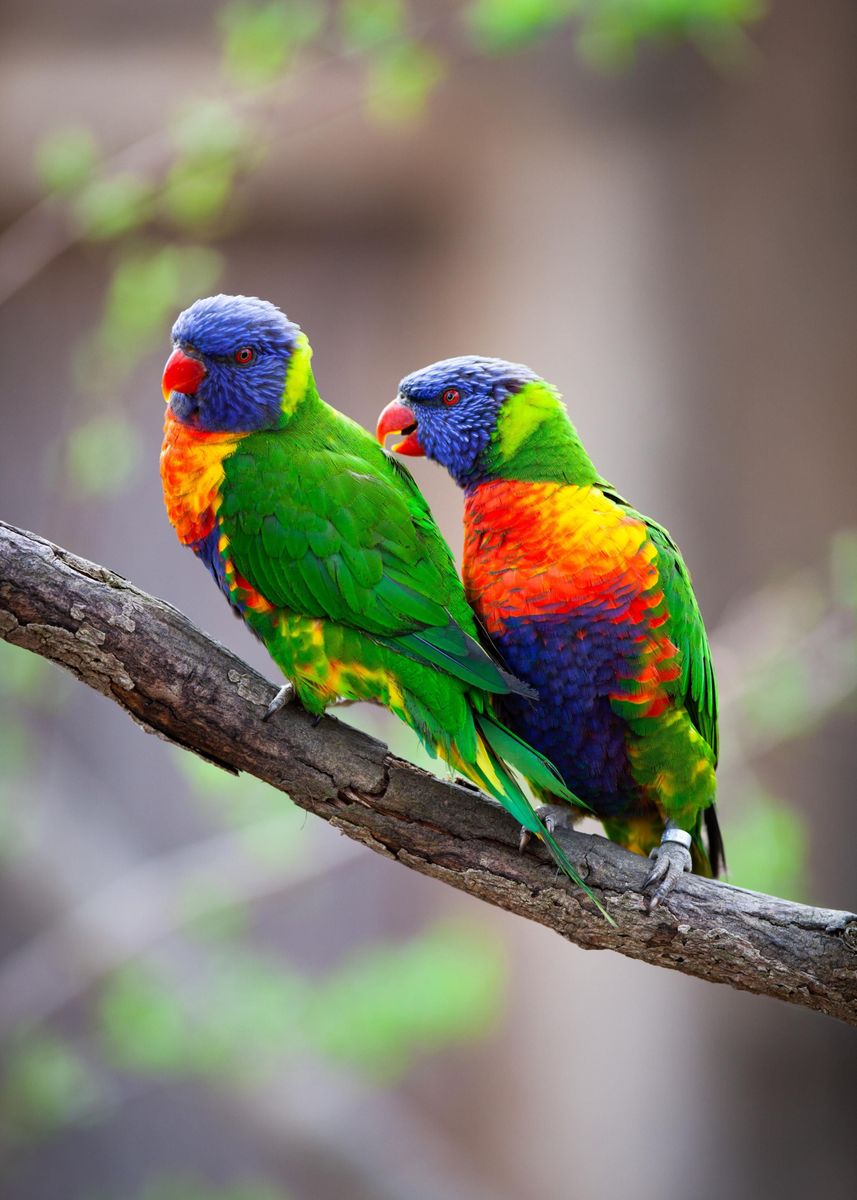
[
  {"x": 182, "y": 374},
  {"x": 398, "y": 418}
]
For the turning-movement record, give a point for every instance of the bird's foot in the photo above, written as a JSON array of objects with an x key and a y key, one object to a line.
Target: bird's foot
[
  {"x": 284, "y": 696},
  {"x": 553, "y": 816},
  {"x": 671, "y": 860}
]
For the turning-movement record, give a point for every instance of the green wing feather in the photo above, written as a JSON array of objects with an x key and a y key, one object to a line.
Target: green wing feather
[
  {"x": 696, "y": 685},
  {"x": 326, "y": 534},
  {"x": 687, "y": 630}
]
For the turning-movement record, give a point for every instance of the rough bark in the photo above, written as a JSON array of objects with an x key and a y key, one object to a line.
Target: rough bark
[{"x": 177, "y": 682}]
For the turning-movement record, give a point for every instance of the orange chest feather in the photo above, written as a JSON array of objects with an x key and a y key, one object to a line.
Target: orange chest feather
[
  {"x": 191, "y": 475},
  {"x": 548, "y": 548}
]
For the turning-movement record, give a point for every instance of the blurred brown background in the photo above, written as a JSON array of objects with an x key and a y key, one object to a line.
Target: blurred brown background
[{"x": 674, "y": 245}]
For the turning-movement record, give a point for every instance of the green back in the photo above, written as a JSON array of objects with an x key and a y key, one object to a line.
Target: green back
[{"x": 324, "y": 523}]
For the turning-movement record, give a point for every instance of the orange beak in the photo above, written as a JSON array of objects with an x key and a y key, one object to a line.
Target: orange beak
[
  {"x": 182, "y": 374},
  {"x": 398, "y": 418}
]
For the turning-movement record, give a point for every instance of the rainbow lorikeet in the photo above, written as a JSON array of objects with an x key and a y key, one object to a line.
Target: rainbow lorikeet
[
  {"x": 587, "y": 600},
  {"x": 325, "y": 546}
]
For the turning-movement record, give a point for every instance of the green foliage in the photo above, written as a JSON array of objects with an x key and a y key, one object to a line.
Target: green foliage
[
  {"x": 66, "y": 159},
  {"x": 194, "y": 195},
  {"x": 26, "y": 678},
  {"x": 366, "y": 24},
  {"x": 212, "y": 144},
  {"x": 46, "y": 1084},
  {"x": 609, "y": 30},
  {"x": 843, "y": 568},
  {"x": 401, "y": 80},
  {"x": 15, "y": 747},
  {"x": 375, "y": 1014},
  {"x": 251, "y": 1011},
  {"x": 145, "y": 1028},
  {"x": 149, "y": 285},
  {"x": 505, "y": 25},
  {"x": 102, "y": 456},
  {"x": 613, "y": 28},
  {"x": 260, "y": 39},
  {"x": 389, "y": 1004},
  {"x": 112, "y": 206},
  {"x": 27, "y": 682},
  {"x": 272, "y": 826},
  {"x": 192, "y": 1188},
  {"x": 767, "y": 847},
  {"x": 147, "y": 288},
  {"x": 780, "y": 705},
  {"x": 205, "y": 911},
  {"x": 209, "y": 131}
]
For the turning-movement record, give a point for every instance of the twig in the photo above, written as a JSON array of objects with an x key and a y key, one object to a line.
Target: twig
[{"x": 177, "y": 682}]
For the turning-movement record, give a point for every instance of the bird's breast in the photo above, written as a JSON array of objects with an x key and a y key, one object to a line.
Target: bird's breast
[
  {"x": 192, "y": 475},
  {"x": 546, "y": 549},
  {"x": 566, "y": 582}
]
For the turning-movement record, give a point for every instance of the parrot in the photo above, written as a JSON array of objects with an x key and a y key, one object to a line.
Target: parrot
[
  {"x": 321, "y": 541},
  {"x": 588, "y": 601}
]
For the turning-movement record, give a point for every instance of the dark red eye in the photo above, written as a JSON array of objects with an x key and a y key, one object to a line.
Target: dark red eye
[
  {"x": 245, "y": 355},
  {"x": 451, "y": 396}
]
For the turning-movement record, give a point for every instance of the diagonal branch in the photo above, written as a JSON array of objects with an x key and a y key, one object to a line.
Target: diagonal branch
[{"x": 177, "y": 682}]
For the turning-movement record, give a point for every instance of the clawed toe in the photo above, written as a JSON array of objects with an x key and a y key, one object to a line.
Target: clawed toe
[
  {"x": 553, "y": 817},
  {"x": 671, "y": 860},
  {"x": 556, "y": 816}
]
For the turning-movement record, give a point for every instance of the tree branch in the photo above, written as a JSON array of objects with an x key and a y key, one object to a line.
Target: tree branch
[{"x": 177, "y": 682}]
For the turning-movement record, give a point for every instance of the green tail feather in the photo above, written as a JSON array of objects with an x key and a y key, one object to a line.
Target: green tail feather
[
  {"x": 535, "y": 768},
  {"x": 523, "y": 758}
]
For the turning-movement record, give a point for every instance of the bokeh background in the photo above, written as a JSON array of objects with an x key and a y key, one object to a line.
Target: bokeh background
[{"x": 205, "y": 995}]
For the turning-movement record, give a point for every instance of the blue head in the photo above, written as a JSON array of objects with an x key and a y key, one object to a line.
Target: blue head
[
  {"x": 238, "y": 365},
  {"x": 448, "y": 411}
]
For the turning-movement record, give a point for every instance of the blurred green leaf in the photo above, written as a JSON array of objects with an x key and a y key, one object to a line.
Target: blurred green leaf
[
  {"x": 209, "y": 131},
  {"x": 102, "y": 456},
  {"x": 194, "y": 195},
  {"x": 843, "y": 568},
  {"x": 143, "y": 1025},
  {"x": 613, "y": 28},
  {"x": 107, "y": 208},
  {"x": 401, "y": 81},
  {"x": 369, "y": 23},
  {"x": 255, "y": 1014},
  {"x": 767, "y": 848},
  {"x": 779, "y": 705},
  {"x": 272, "y": 824},
  {"x": 11, "y": 839},
  {"x": 609, "y": 30},
  {"x": 250, "y": 1015},
  {"x": 206, "y": 912},
  {"x": 193, "y": 1188},
  {"x": 16, "y": 750},
  {"x": 377, "y": 1013},
  {"x": 66, "y": 159},
  {"x": 505, "y": 25},
  {"x": 46, "y": 1085},
  {"x": 388, "y": 1005},
  {"x": 148, "y": 288},
  {"x": 24, "y": 675},
  {"x": 260, "y": 39}
]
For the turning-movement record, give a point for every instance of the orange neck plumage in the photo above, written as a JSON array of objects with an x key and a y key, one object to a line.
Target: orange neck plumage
[{"x": 191, "y": 474}]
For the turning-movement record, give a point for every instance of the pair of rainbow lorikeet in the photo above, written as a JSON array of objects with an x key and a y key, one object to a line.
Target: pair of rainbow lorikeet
[{"x": 574, "y": 655}]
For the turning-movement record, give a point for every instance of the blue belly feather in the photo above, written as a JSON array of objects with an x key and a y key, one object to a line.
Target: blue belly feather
[{"x": 574, "y": 661}]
